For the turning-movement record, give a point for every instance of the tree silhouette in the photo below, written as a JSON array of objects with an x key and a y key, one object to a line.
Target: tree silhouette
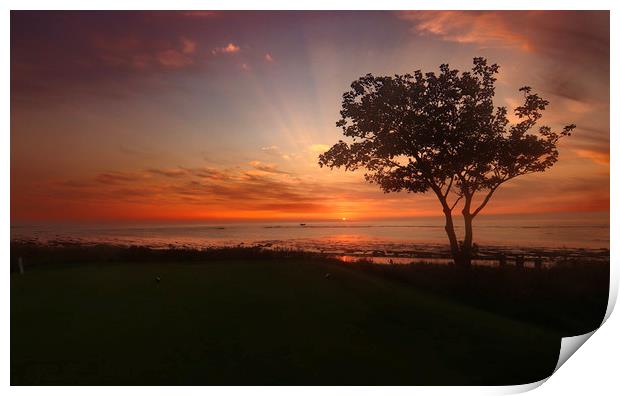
[{"x": 442, "y": 133}]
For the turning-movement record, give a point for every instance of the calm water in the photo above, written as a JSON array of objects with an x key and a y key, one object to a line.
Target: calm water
[{"x": 555, "y": 231}]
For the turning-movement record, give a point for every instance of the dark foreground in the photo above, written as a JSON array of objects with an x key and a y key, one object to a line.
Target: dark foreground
[{"x": 243, "y": 316}]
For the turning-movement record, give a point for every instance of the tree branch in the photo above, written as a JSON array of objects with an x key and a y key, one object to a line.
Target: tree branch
[
  {"x": 486, "y": 200},
  {"x": 445, "y": 195},
  {"x": 491, "y": 191},
  {"x": 455, "y": 202}
]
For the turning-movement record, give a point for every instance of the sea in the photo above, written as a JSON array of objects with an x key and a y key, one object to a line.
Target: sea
[{"x": 390, "y": 240}]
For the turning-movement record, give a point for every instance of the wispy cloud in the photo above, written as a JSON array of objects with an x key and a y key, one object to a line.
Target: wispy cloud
[
  {"x": 175, "y": 172},
  {"x": 598, "y": 157},
  {"x": 209, "y": 173},
  {"x": 581, "y": 37},
  {"x": 269, "y": 168},
  {"x": 482, "y": 28},
  {"x": 263, "y": 189},
  {"x": 117, "y": 177},
  {"x": 173, "y": 59},
  {"x": 272, "y": 148},
  {"x": 140, "y": 54},
  {"x": 274, "y": 151},
  {"x": 207, "y": 193}
]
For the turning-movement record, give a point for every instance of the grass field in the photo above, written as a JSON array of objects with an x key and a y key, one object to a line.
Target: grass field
[{"x": 265, "y": 321}]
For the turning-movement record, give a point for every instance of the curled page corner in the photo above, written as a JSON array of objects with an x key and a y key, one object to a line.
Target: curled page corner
[
  {"x": 613, "y": 294},
  {"x": 569, "y": 347},
  {"x": 516, "y": 389}
]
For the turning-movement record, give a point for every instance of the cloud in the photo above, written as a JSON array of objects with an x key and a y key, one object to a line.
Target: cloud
[
  {"x": 598, "y": 157},
  {"x": 181, "y": 192},
  {"x": 188, "y": 46},
  {"x": 173, "y": 59},
  {"x": 269, "y": 58},
  {"x": 272, "y": 148},
  {"x": 142, "y": 54},
  {"x": 274, "y": 151},
  {"x": 210, "y": 193},
  {"x": 116, "y": 177},
  {"x": 209, "y": 173},
  {"x": 483, "y": 28},
  {"x": 269, "y": 168},
  {"x": 231, "y": 48},
  {"x": 68, "y": 56},
  {"x": 295, "y": 207},
  {"x": 177, "y": 172},
  {"x": 581, "y": 37}
]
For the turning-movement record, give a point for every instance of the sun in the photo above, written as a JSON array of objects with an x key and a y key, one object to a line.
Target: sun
[{"x": 344, "y": 219}]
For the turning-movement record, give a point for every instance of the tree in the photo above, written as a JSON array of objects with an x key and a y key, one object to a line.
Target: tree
[{"x": 442, "y": 133}]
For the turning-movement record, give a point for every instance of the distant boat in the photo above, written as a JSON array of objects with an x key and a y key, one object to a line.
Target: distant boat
[{"x": 302, "y": 224}]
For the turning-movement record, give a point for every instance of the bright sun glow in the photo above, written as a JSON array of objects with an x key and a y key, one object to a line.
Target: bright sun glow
[{"x": 344, "y": 219}]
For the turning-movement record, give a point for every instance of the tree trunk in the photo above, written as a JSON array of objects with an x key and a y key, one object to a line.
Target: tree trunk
[
  {"x": 466, "y": 248},
  {"x": 454, "y": 244},
  {"x": 466, "y": 252}
]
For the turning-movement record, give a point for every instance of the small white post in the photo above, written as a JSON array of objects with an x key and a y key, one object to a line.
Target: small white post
[{"x": 20, "y": 263}]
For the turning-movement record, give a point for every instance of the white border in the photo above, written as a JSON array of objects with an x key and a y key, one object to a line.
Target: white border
[{"x": 594, "y": 368}]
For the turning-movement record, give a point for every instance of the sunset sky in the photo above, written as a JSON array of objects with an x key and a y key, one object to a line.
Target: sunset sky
[{"x": 221, "y": 115}]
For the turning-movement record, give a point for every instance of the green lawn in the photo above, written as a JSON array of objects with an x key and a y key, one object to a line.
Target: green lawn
[{"x": 264, "y": 322}]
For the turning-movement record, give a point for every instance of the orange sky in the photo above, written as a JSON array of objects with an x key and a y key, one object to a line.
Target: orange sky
[{"x": 220, "y": 116}]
